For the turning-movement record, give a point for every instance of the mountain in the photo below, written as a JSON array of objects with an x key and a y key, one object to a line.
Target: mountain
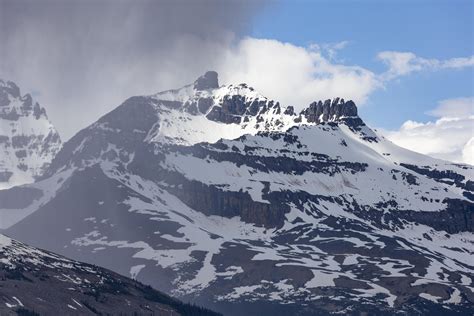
[
  {"x": 28, "y": 140},
  {"x": 37, "y": 282},
  {"x": 224, "y": 197}
]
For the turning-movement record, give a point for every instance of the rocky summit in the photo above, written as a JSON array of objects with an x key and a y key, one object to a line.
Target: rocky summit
[
  {"x": 329, "y": 111},
  {"x": 207, "y": 81},
  {"x": 221, "y": 196},
  {"x": 28, "y": 140}
]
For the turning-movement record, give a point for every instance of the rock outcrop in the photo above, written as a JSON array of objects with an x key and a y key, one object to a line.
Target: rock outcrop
[
  {"x": 207, "y": 81},
  {"x": 327, "y": 111}
]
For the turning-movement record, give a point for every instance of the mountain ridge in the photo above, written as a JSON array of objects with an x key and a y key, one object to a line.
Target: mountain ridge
[
  {"x": 42, "y": 283},
  {"x": 254, "y": 212}
]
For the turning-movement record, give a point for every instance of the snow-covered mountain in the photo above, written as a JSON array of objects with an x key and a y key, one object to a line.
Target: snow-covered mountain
[
  {"x": 224, "y": 197},
  {"x": 37, "y": 282},
  {"x": 28, "y": 140}
]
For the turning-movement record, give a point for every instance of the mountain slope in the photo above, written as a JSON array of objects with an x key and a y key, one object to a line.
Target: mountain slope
[
  {"x": 28, "y": 141},
  {"x": 224, "y": 197},
  {"x": 42, "y": 282}
]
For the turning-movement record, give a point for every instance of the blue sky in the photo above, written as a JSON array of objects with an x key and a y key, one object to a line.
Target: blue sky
[{"x": 430, "y": 29}]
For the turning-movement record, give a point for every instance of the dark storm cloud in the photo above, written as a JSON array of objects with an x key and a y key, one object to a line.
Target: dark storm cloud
[{"x": 84, "y": 57}]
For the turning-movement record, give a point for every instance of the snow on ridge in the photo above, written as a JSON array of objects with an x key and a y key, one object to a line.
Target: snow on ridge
[
  {"x": 188, "y": 129},
  {"x": 180, "y": 126},
  {"x": 13, "y": 252},
  {"x": 28, "y": 140}
]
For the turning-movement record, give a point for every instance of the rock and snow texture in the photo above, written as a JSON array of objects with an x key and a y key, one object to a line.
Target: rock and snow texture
[
  {"x": 35, "y": 281},
  {"x": 28, "y": 140},
  {"x": 220, "y": 195}
]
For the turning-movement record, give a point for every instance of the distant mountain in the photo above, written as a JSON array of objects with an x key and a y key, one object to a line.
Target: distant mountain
[
  {"x": 223, "y": 197},
  {"x": 28, "y": 140},
  {"x": 37, "y": 282}
]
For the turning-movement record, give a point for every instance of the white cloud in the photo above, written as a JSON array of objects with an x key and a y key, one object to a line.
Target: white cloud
[
  {"x": 459, "y": 107},
  {"x": 295, "y": 75},
  {"x": 468, "y": 152},
  {"x": 331, "y": 49},
  {"x": 450, "y": 137},
  {"x": 404, "y": 63},
  {"x": 458, "y": 62}
]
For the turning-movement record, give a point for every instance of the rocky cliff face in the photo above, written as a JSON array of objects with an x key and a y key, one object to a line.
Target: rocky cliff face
[
  {"x": 28, "y": 141},
  {"x": 329, "y": 111},
  {"x": 227, "y": 198}
]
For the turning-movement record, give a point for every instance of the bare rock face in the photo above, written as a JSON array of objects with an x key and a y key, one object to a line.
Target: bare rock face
[
  {"x": 330, "y": 112},
  {"x": 28, "y": 140},
  {"x": 207, "y": 81}
]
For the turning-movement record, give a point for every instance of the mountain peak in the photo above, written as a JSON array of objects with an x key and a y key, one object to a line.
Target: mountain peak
[
  {"x": 8, "y": 87},
  {"x": 207, "y": 81},
  {"x": 13, "y": 105},
  {"x": 330, "y": 111},
  {"x": 28, "y": 140},
  {"x": 240, "y": 106}
]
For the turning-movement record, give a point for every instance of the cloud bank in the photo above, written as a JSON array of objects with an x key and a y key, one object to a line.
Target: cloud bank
[
  {"x": 404, "y": 63},
  {"x": 295, "y": 75},
  {"x": 449, "y": 137},
  {"x": 83, "y": 58}
]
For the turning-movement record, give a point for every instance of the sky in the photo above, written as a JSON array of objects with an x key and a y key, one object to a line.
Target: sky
[
  {"x": 429, "y": 29},
  {"x": 407, "y": 64}
]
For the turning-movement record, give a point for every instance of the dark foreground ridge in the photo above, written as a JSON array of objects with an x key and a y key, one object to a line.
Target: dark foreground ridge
[{"x": 36, "y": 282}]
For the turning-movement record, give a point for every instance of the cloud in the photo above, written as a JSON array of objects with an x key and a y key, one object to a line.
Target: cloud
[
  {"x": 468, "y": 152},
  {"x": 449, "y": 137},
  {"x": 294, "y": 75},
  {"x": 83, "y": 58},
  {"x": 331, "y": 49},
  {"x": 460, "y": 62},
  {"x": 459, "y": 107},
  {"x": 404, "y": 63}
]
